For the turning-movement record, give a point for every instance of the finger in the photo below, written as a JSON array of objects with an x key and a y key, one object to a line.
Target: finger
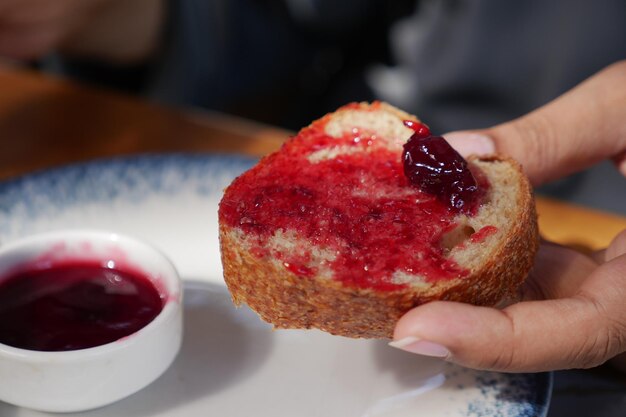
[
  {"x": 471, "y": 143},
  {"x": 558, "y": 273},
  {"x": 578, "y": 332},
  {"x": 617, "y": 247},
  {"x": 575, "y": 131}
]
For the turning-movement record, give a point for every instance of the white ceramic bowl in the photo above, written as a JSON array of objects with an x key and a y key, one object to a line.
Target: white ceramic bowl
[{"x": 89, "y": 378}]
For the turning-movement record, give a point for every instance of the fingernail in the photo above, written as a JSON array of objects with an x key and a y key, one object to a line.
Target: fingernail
[
  {"x": 468, "y": 143},
  {"x": 421, "y": 347}
]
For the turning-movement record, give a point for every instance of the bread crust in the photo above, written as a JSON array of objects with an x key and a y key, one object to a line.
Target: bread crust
[{"x": 287, "y": 301}]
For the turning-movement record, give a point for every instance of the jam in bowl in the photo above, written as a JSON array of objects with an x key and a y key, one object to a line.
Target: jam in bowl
[
  {"x": 74, "y": 304},
  {"x": 86, "y": 318}
]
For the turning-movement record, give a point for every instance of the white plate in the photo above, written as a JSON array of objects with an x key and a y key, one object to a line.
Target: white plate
[{"x": 231, "y": 363}]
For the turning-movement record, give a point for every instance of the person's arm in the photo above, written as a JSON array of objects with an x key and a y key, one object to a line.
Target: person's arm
[
  {"x": 573, "y": 311},
  {"x": 114, "y": 31}
]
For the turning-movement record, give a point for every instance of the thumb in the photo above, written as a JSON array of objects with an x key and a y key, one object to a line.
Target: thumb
[
  {"x": 577, "y": 332},
  {"x": 578, "y": 129}
]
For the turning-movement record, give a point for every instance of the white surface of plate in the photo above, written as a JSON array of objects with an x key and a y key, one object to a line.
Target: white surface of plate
[{"x": 231, "y": 363}]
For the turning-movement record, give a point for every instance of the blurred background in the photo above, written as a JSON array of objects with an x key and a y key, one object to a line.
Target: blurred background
[{"x": 457, "y": 64}]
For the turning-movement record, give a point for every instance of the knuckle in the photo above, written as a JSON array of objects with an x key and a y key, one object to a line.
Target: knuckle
[
  {"x": 532, "y": 140},
  {"x": 540, "y": 141},
  {"x": 504, "y": 355},
  {"x": 616, "y": 337},
  {"x": 502, "y": 360},
  {"x": 609, "y": 339},
  {"x": 592, "y": 354},
  {"x": 600, "y": 348}
]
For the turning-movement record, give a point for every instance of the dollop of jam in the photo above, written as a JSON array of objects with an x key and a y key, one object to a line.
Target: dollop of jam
[{"x": 432, "y": 165}]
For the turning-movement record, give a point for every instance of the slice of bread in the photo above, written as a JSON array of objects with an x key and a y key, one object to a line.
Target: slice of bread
[{"x": 327, "y": 233}]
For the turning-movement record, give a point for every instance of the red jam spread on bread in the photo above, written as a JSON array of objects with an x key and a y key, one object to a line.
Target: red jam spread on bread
[
  {"x": 356, "y": 203},
  {"x": 431, "y": 164}
]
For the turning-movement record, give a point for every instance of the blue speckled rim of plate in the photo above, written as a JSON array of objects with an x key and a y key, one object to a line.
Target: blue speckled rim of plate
[
  {"x": 55, "y": 188},
  {"x": 524, "y": 395},
  {"x": 138, "y": 176}
]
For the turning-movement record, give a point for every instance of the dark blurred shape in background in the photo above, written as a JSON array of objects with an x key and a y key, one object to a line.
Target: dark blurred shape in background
[{"x": 283, "y": 62}]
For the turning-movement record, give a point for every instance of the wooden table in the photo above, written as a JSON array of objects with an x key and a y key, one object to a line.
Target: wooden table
[{"x": 46, "y": 122}]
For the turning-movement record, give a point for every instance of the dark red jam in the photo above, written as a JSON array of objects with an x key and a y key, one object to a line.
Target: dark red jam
[
  {"x": 74, "y": 305},
  {"x": 358, "y": 206},
  {"x": 431, "y": 164}
]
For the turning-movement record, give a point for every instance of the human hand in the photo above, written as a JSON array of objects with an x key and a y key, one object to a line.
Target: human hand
[
  {"x": 115, "y": 29},
  {"x": 572, "y": 312}
]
